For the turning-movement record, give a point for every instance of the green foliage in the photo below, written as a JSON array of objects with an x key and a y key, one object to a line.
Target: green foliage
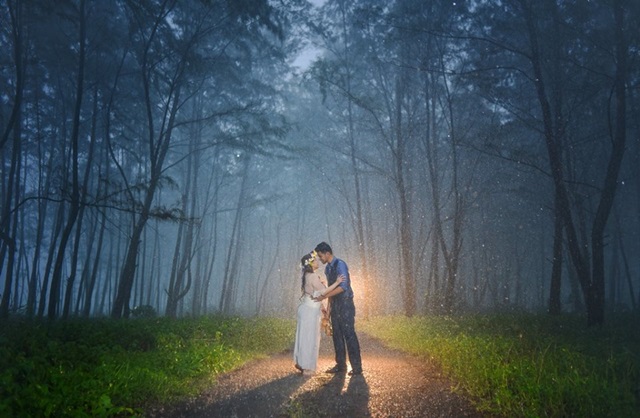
[
  {"x": 526, "y": 365},
  {"x": 103, "y": 367}
]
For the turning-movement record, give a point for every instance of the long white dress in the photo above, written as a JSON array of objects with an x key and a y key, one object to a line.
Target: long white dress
[{"x": 307, "y": 345}]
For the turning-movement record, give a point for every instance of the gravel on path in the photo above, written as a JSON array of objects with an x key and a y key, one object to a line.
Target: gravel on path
[{"x": 393, "y": 385}]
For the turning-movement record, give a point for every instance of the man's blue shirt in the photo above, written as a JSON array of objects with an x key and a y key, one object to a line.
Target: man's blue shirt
[{"x": 337, "y": 268}]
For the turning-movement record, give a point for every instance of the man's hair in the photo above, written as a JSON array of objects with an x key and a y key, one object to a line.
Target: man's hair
[{"x": 323, "y": 247}]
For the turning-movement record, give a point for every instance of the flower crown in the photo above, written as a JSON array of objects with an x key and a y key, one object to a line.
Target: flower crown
[{"x": 310, "y": 260}]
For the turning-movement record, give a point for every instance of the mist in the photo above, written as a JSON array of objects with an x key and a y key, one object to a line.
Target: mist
[{"x": 181, "y": 157}]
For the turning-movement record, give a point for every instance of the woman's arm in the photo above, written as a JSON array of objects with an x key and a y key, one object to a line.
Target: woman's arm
[
  {"x": 333, "y": 286},
  {"x": 332, "y": 293}
]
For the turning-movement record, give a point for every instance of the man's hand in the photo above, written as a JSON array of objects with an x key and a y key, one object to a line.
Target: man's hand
[{"x": 319, "y": 298}]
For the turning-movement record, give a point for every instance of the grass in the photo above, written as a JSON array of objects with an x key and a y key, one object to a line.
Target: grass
[
  {"x": 103, "y": 367},
  {"x": 512, "y": 365},
  {"x": 529, "y": 365}
]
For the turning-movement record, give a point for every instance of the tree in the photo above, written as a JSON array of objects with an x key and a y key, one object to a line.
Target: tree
[
  {"x": 168, "y": 58},
  {"x": 533, "y": 59}
]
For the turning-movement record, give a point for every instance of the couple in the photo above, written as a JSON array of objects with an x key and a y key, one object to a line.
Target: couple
[{"x": 341, "y": 309}]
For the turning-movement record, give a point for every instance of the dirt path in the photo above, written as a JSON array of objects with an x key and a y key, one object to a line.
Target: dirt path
[{"x": 392, "y": 385}]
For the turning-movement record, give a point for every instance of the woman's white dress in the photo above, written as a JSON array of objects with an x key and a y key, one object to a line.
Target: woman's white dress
[{"x": 307, "y": 345}]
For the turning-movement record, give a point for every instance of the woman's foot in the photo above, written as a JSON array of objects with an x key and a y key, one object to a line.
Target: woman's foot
[
  {"x": 308, "y": 372},
  {"x": 300, "y": 369}
]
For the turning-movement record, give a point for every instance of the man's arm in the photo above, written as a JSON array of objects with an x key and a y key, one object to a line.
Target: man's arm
[
  {"x": 333, "y": 286},
  {"x": 334, "y": 292}
]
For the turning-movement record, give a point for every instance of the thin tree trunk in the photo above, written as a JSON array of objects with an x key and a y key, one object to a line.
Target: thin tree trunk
[
  {"x": 262, "y": 296},
  {"x": 43, "y": 190},
  {"x": 175, "y": 262},
  {"x": 59, "y": 221},
  {"x": 213, "y": 253},
  {"x": 178, "y": 289},
  {"x": 555, "y": 288},
  {"x": 625, "y": 263},
  {"x": 91, "y": 283},
  {"x": 81, "y": 208},
  {"x": 125, "y": 282},
  {"x": 17, "y": 33},
  {"x": 409, "y": 295},
  {"x": 228, "y": 284},
  {"x": 86, "y": 266}
]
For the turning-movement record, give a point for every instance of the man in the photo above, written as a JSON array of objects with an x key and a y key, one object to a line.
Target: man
[{"x": 343, "y": 312}]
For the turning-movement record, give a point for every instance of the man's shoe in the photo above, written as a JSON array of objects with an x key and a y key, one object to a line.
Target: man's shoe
[
  {"x": 336, "y": 369},
  {"x": 355, "y": 372}
]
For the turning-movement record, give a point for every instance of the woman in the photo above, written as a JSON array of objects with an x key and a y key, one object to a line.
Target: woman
[{"x": 307, "y": 346}]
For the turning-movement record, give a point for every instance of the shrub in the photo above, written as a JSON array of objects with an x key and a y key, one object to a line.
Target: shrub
[
  {"x": 527, "y": 365},
  {"x": 104, "y": 367}
]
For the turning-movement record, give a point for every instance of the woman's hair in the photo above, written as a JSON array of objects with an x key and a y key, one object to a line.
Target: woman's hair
[{"x": 305, "y": 262}]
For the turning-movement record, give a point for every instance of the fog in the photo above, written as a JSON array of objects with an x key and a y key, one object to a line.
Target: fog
[{"x": 181, "y": 157}]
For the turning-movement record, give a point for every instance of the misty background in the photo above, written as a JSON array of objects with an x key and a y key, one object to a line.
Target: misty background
[{"x": 182, "y": 156}]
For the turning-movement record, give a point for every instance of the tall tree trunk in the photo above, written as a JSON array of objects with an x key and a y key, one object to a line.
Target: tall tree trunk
[
  {"x": 7, "y": 240},
  {"x": 158, "y": 146},
  {"x": 359, "y": 221},
  {"x": 16, "y": 13},
  {"x": 214, "y": 246},
  {"x": 81, "y": 208},
  {"x": 409, "y": 295},
  {"x": 158, "y": 154},
  {"x": 56, "y": 278},
  {"x": 178, "y": 289},
  {"x": 7, "y": 226},
  {"x": 596, "y": 292},
  {"x": 554, "y": 152},
  {"x": 555, "y": 303},
  {"x": 181, "y": 280},
  {"x": 44, "y": 184}
]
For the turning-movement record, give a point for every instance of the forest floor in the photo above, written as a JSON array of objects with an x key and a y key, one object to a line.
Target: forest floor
[{"x": 393, "y": 384}]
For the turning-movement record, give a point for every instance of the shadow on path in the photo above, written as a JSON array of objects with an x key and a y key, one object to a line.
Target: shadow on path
[
  {"x": 261, "y": 388},
  {"x": 393, "y": 385},
  {"x": 271, "y": 398},
  {"x": 267, "y": 400},
  {"x": 327, "y": 396}
]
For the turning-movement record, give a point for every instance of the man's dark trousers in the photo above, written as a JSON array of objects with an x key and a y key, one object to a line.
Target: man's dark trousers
[{"x": 343, "y": 313}]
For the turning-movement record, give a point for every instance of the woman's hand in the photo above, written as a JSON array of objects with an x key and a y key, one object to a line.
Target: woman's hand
[{"x": 340, "y": 279}]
